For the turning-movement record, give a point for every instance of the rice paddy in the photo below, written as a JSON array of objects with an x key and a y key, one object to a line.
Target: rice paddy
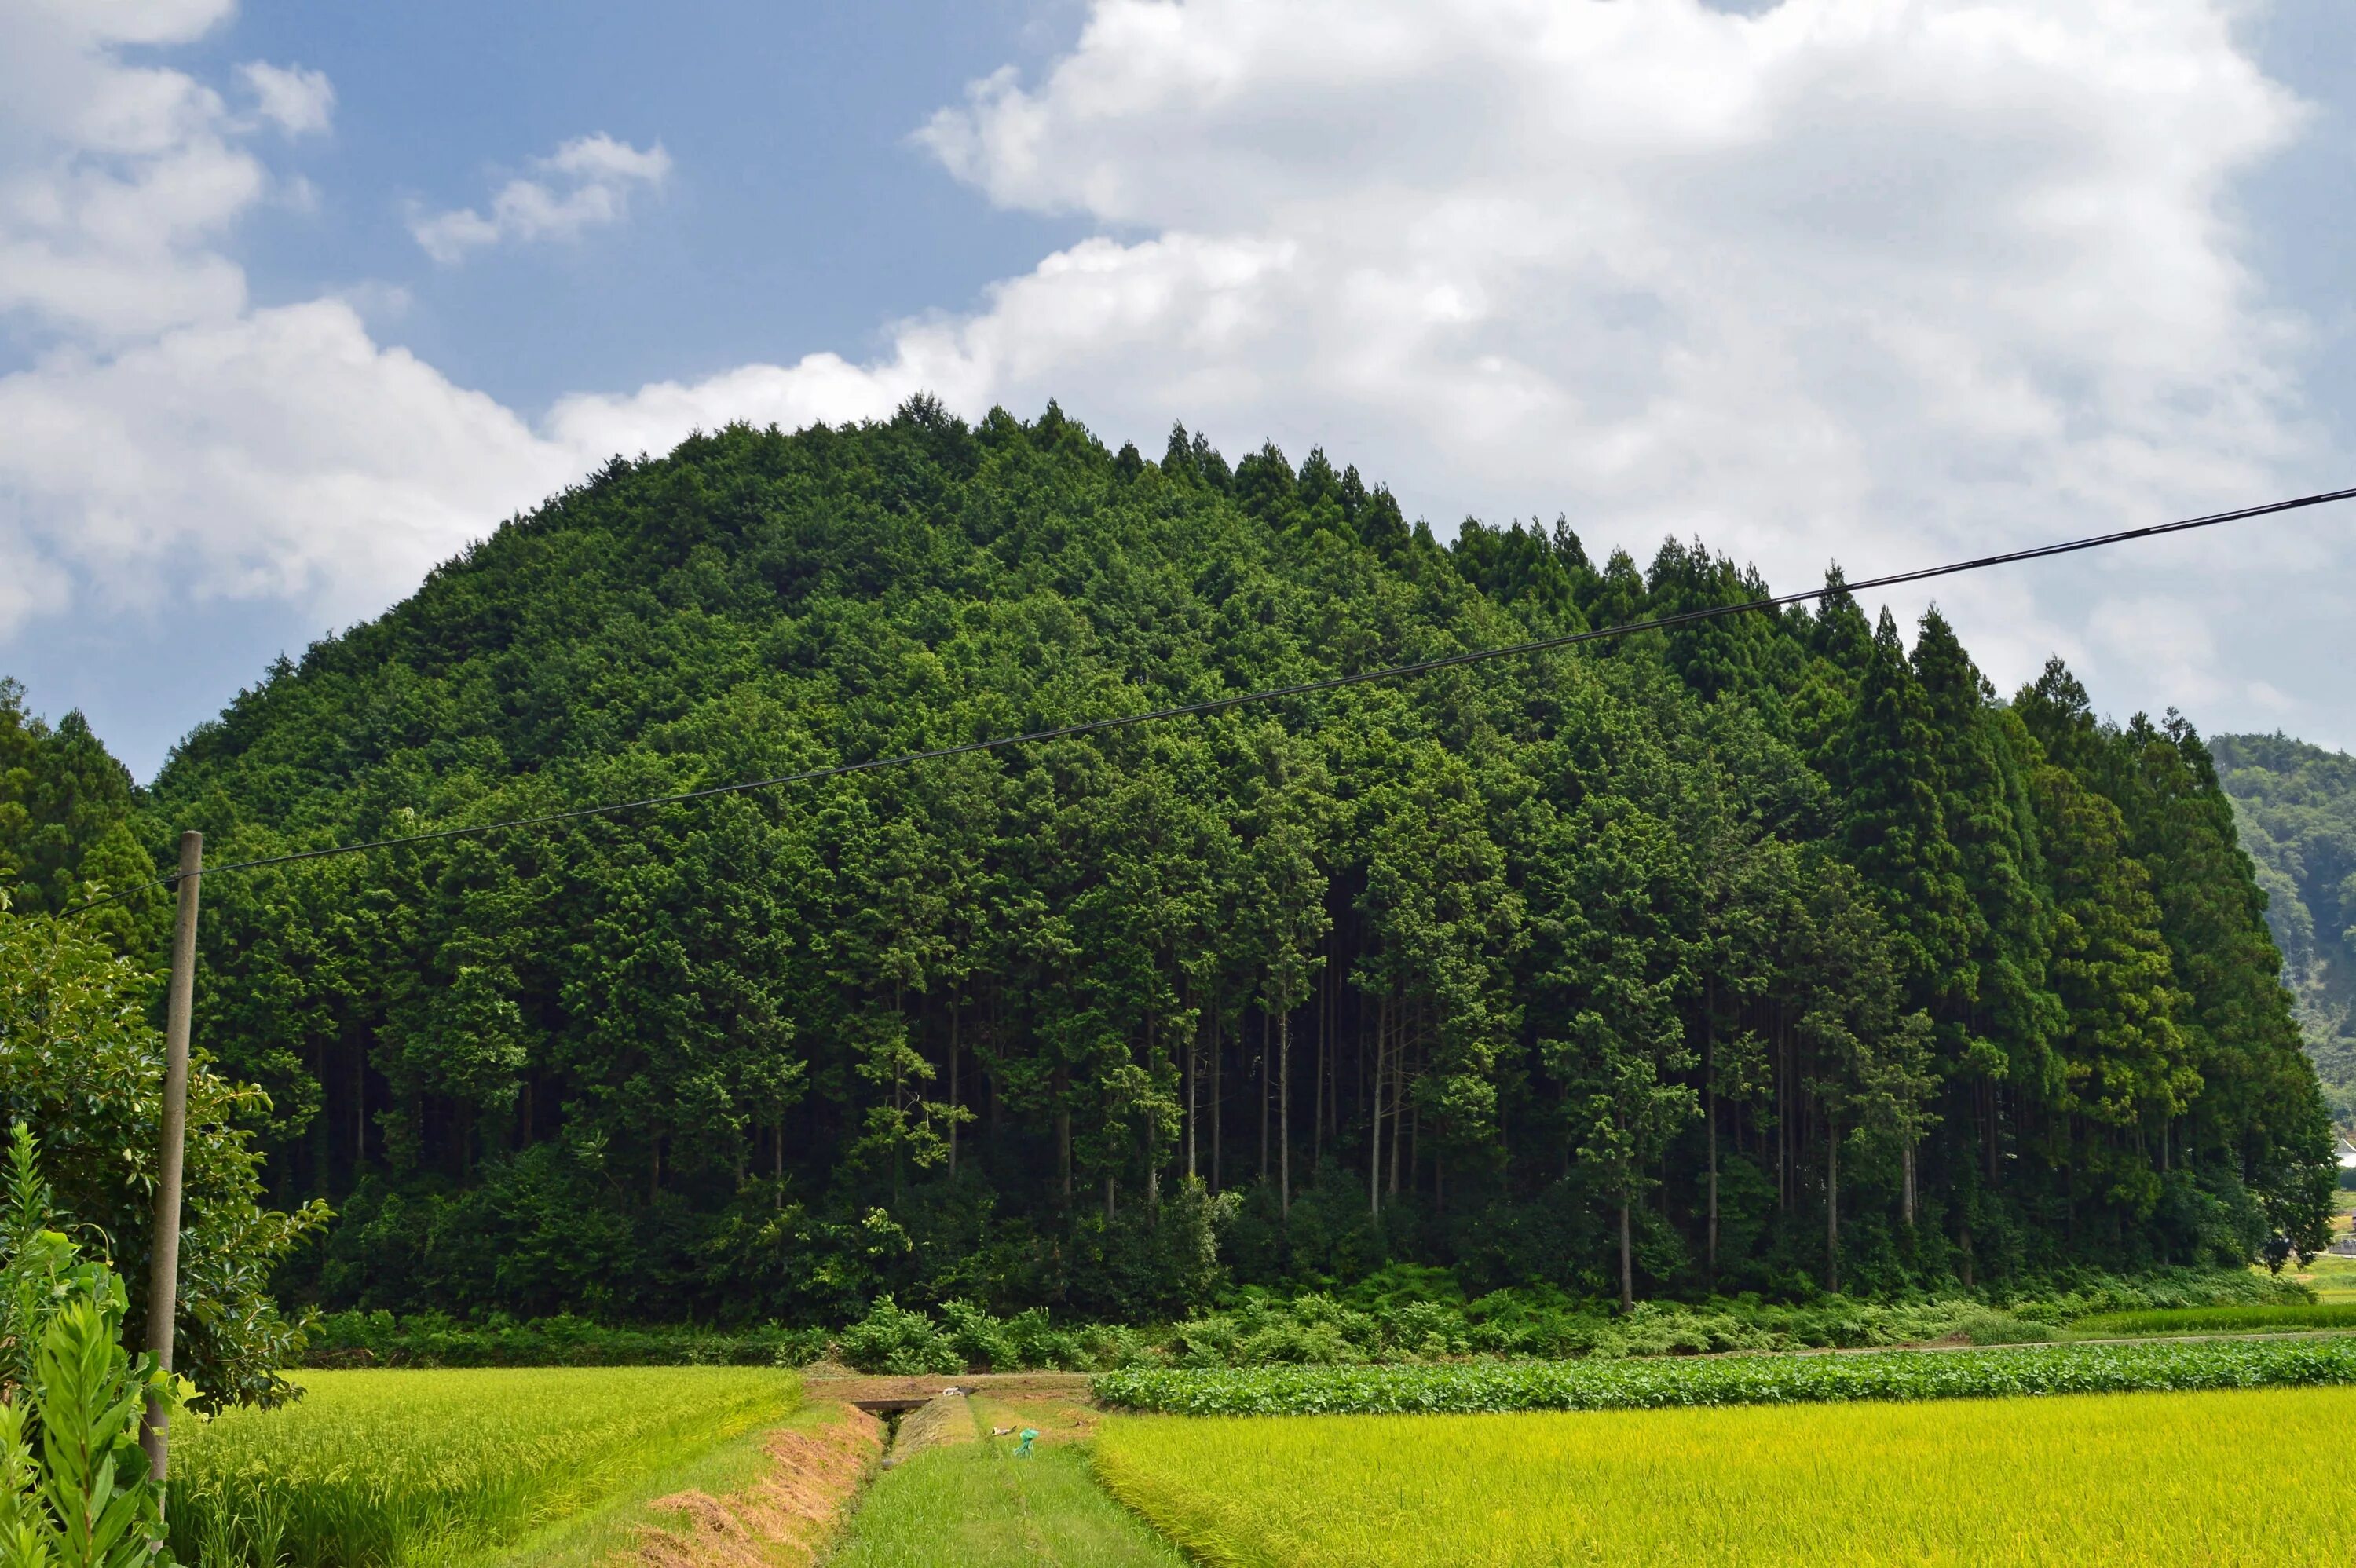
[
  {"x": 387, "y": 1469},
  {"x": 2138, "y": 1479},
  {"x": 2222, "y": 1319}
]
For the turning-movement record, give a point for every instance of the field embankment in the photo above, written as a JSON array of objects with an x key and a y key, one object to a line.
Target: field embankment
[
  {"x": 975, "y": 1502},
  {"x": 2142, "y": 1479},
  {"x": 412, "y": 1468},
  {"x": 1473, "y": 1387}
]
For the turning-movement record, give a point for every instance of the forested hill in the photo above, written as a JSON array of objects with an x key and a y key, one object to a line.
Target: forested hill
[
  {"x": 1767, "y": 951},
  {"x": 2297, "y": 804}
]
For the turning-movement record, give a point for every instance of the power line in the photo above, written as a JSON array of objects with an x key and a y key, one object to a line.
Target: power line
[{"x": 1305, "y": 689}]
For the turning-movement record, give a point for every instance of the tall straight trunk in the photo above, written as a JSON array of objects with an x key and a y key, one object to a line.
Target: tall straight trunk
[
  {"x": 955, "y": 1056},
  {"x": 1284, "y": 1118},
  {"x": 778, "y": 1155},
  {"x": 1063, "y": 1139},
  {"x": 1267, "y": 1092},
  {"x": 360, "y": 1111},
  {"x": 1906, "y": 1194},
  {"x": 1152, "y": 1161},
  {"x": 1783, "y": 1114},
  {"x": 1218, "y": 1094},
  {"x": 1709, "y": 1127},
  {"x": 1110, "y": 1212},
  {"x": 1831, "y": 1203},
  {"x": 1317, "y": 1106},
  {"x": 1374, "y": 1109},
  {"x": 1627, "y": 1258},
  {"x": 1398, "y": 1102},
  {"x": 1193, "y": 1085}
]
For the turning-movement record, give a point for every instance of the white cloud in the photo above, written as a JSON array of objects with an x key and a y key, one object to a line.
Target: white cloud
[
  {"x": 1881, "y": 280},
  {"x": 283, "y": 455},
  {"x": 118, "y": 179},
  {"x": 298, "y": 101},
  {"x": 586, "y": 183}
]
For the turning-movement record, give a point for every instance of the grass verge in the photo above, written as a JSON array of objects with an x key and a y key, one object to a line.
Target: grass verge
[
  {"x": 2220, "y": 1320},
  {"x": 391, "y": 1469},
  {"x": 977, "y": 1506},
  {"x": 1465, "y": 1388},
  {"x": 2107, "y": 1481}
]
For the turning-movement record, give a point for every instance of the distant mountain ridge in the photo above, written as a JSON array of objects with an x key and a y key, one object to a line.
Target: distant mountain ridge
[{"x": 2296, "y": 806}]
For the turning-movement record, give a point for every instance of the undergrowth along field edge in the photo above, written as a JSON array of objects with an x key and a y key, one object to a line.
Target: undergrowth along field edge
[{"x": 2182, "y": 1367}]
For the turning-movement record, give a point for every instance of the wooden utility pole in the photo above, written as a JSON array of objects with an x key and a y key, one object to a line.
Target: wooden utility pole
[{"x": 164, "y": 1274}]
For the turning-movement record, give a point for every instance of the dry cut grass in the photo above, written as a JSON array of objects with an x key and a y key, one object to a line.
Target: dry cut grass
[{"x": 2125, "y": 1480}]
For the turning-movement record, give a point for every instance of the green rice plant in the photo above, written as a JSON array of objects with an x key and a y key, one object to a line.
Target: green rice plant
[
  {"x": 384, "y": 1469},
  {"x": 2222, "y": 1319},
  {"x": 2104, "y": 1482},
  {"x": 1470, "y": 1387}
]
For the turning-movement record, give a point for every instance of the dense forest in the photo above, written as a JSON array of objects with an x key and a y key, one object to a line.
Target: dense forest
[
  {"x": 2297, "y": 807},
  {"x": 1773, "y": 953}
]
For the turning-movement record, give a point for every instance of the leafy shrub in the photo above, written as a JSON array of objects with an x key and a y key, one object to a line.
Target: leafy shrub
[
  {"x": 1037, "y": 1344},
  {"x": 79, "y": 1061},
  {"x": 74, "y": 1397},
  {"x": 981, "y": 1341},
  {"x": 378, "y": 1338},
  {"x": 1735, "y": 1379},
  {"x": 892, "y": 1339},
  {"x": 1994, "y": 1326}
]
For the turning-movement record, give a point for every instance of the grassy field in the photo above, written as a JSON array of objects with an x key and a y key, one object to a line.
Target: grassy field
[
  {"x": 2220, "y": 1320},
  {"x": 385, "y": 1469},
  {"x": 2204, "y": 1478},
  {"x": 977, "y": 1506}
]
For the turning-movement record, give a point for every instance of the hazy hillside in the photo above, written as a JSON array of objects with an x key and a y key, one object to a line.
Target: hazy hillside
[{"x": 2296, "y": 805}]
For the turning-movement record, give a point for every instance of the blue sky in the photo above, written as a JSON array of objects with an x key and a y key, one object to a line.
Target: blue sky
[{"x": 296, "y": 299}]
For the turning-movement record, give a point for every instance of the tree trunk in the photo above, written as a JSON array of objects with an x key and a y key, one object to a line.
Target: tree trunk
[
  {"x": 1832, "y": 1204},
  {"x": 1375, "y": 1110},
  {"x": 1317, "y": 1089},
  {"x": 1194, "y": 1085},
  {"x": 1284, "y": 1118},
  {"x": 1906, "y": 1197},
  {"x": 1218, "y": 1094},
  {"x": 1064, "y": 1148},
  {"x": 1709, "y": 1118},
  {"x": 1266, "y": 1091},
  {"x": 1398, "y": 1102},
  {"x": 954, "y": 1054},
  {"x": 1627, "y": 1258}
]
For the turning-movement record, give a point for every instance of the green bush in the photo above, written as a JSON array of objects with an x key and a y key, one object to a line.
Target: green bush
[
  {"x": 74, "y": 1486},
  {"x": 428, "y": 1340},
  {"x": 892, "y": 1339}
]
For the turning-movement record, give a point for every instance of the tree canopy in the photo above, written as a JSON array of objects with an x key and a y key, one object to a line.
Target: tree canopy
[{"x": 1769, "y": 953}]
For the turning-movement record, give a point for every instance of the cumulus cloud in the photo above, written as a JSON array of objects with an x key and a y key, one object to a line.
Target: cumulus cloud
[
  {"x": 296, "y": 101},
  {"x": 585, "y": 183},
  {"x": 119, "y": 179},
  {"x": 281, "y": 454},
  {"x": 1880, "y": 281}
]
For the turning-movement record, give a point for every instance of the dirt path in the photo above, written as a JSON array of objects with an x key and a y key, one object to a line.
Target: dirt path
[{"x": 784, "y": 1519}]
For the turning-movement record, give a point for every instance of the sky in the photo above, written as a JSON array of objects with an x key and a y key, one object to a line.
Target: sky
[{"x": 298, "y": 299}]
